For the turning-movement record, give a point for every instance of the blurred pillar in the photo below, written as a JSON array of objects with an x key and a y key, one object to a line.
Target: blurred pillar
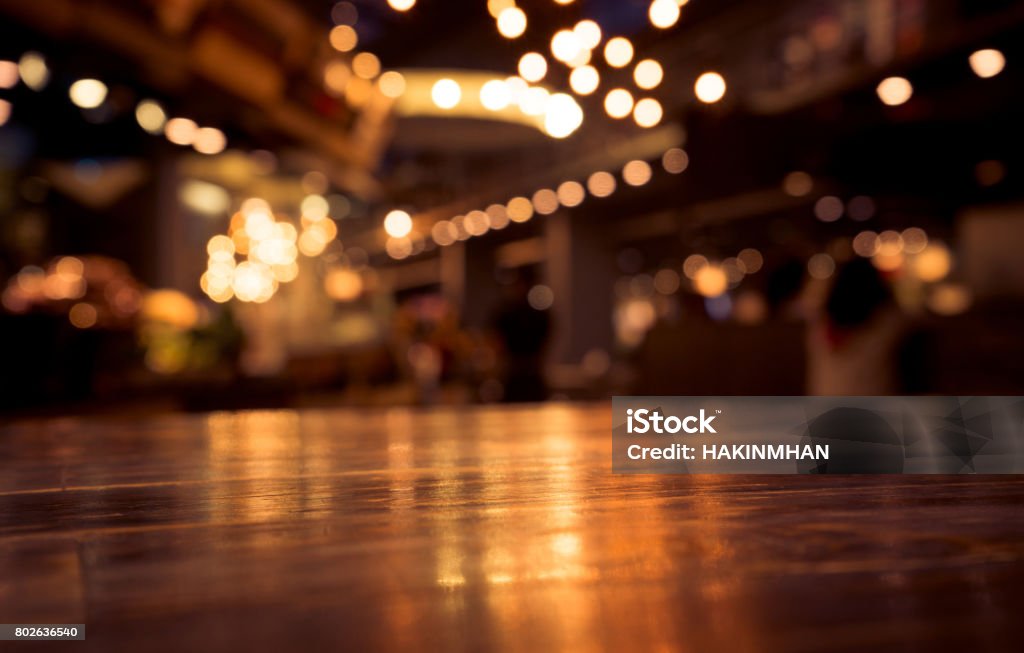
[
  {"x": 581, "y": 273},
  {"x": 467, "y": 277},
  {"x": 180, "y": 236},
  {"x": 453, "y": 273}
]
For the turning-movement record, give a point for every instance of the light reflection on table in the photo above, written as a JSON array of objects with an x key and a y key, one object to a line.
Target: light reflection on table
[{"x": 480, "y": 529}]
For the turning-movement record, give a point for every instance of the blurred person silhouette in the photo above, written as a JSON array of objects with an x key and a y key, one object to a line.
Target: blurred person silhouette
[
  {"x": 423, "y": 339},
  {"x": 523, "y": 333},
  {"x": 856, "y": 340},
  {"x": 783, "y": 291}
]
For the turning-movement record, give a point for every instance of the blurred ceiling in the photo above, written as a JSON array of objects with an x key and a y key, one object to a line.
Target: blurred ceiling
[{"x": 256, "y": 68}]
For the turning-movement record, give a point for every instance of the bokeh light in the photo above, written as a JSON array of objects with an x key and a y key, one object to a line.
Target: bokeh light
[
  {"x": 519, "y": 209},
  {"x": 83, "y": 315},
  {"x": 495, "y": 7},
  {"x": 88, "y": 93},
  {"x": 821, "y": 266},
  {"x": 601, "y": 184},
  {"x": 566, "y": 45},
  {"x": 399, "y": 248},
  {"x": 562, "y": 116},
  {"x": 914, "y": 240},
  {"x": 459, "y": 225},
  {"x": 828, "y": 208},
  {"x": 444, "y": 233},
  {"x": 391, "y": 84},
  {"x": 512, "y": 22},
  {"x": 446, "y": 93},
  {"x": 398, "y": 224},
  {"x": 710, "y": 280},
  {"x": 865, "y": 244},
  {"x": 253, "y": 282},
  {"x": 890, "y": 243},
  {"x": 647, "y": 112},
  {"x": 571, "y": 193},
  {"x": 151, "y": 116},
  {"x": 709, "y": 87},
  {"x": 797, "y": 184},
  {"x": 664, "y": 13},
  {"x": 894, "y": 91},
  {"x": 33, "y": 70},
  {"x": 589, "y": 33},
  {"x": 344, "y": 13},
  {"x": 949, "y": 299},
  {"x": 584, "y": 80},
  {"x": 693, "y": 264},
  {"x": 648, "y": 74},
  {"x": 675, "y": 160},
  {"x": 343, "y": 38},
  {"x": 181, "y": 131},
  {"x": 314, "y": 207},
  {"x": 477, "y": 223},
  {"x": 497, "y": 215},
  {"x": 343, "y": 284},
  {"x": 336, "y": 77},
  {"x": 987, "y": 63},
  {"x": 545, "y": 201},
  {"x": 666, "y": 281},
  {"x": 933, "y": 263},
  {"x": 8, "y": 74},
  {"x": 734, "y": 270},
  {"x": 618, "y": 103},
  {"x": 205, "y": 198},
  {"x": 366, "y": 65},
  {"x": 751, "y": 259},
  {"x": 618, "y": 52},
  {"x": 220, "y": 248},
  {"x": 636, "y": 173},
  {"x": 495, "y": 95},
  {"x": 540, "y": 297},
  {"x": 209, "y": 140},
  {"x": 533, "y": 66}
]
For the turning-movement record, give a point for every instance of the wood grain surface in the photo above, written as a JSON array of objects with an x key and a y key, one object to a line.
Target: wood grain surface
[{"x": 480, "y": 529}]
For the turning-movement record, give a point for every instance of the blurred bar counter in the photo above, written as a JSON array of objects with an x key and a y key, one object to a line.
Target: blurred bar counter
[{"x": 480, "y": 529}]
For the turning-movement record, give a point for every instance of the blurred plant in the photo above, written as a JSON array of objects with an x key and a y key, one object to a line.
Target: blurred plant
[{"x": 178, "y": 335}]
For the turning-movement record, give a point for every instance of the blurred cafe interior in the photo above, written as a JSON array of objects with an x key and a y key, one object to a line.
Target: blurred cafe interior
[
  {"x": 271, "y": 203},
  {"x": 310, "y": 311}
]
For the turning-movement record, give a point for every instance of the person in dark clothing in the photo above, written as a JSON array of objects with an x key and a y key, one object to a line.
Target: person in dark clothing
[
  {"x": 523, "y": 333},
  {"x": 858, "y": 293},
  {"x": 860, "y": 342}
]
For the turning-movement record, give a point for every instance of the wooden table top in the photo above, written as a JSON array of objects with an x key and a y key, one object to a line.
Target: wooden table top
[{"x": 480, "y": 529}]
